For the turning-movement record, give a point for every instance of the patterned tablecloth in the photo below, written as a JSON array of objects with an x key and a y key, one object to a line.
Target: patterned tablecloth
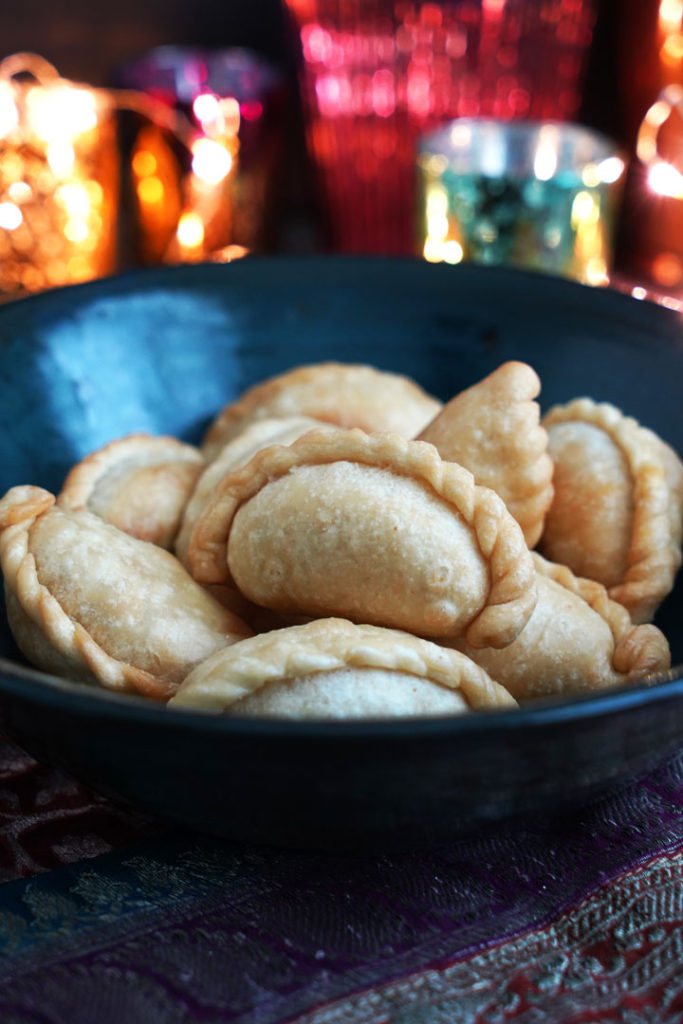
[{"x": 107, "y": 917}]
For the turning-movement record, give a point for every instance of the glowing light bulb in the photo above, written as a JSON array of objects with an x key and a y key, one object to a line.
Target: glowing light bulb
[
  {"x": 60, "y": 113},
  {"x": 20, "y": 191},
  {"x": 76, "y": 230},
  {"x": 453, "y": 252},
  {"x": 206, "y": 108},
  {"x": 75, "y": 199},
  {"x": 670, "y": 13},
  {"x": 211, "y": 161},
  {"x": 611, "y": 169},
  {"x": 545, "y": 158},
  {"x": 665, "y": 180},
  {"x": 190, "y": 231},
  {"x": 584, "y": 209},
  {"x": 60, "y": 156},
  {"x": 10, "y": 216}
]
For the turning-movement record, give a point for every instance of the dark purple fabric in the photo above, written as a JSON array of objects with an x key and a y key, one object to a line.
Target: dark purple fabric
[{"x": 184, "y": 928}]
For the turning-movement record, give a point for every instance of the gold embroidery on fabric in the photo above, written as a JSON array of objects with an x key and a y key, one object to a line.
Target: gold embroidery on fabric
[{"x": 580, "y": 960}]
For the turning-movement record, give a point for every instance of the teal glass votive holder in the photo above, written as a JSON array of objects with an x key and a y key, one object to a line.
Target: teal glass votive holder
[{"x": 544, "y": 196}]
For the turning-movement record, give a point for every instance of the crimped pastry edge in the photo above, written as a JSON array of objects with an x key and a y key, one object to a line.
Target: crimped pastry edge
[
  {"x": 69, "y": 638},
  {"x": 512, "y": 595},
  {"x": 639, "y": 650},
  {"x": 325, "y": 645},
  {"x": 654, "y": 556},
  {"x": 82, "y": 479}
]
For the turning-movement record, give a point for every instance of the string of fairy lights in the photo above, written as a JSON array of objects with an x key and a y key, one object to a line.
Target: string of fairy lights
[{"x": 60, "y": 177}]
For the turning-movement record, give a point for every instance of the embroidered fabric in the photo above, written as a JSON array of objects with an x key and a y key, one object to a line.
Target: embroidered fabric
[{"x": 578, "y": 918}]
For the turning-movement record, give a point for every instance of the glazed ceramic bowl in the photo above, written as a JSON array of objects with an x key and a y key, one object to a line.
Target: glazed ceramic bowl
[{"x": 161, "y": 351}]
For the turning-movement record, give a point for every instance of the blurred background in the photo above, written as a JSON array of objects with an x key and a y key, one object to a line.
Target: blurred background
[{"x": 163, "y": 132}]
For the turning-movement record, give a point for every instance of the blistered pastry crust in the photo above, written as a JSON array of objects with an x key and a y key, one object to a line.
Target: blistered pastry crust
[
  {"x": 345, "y": 394},
  {"x": 19, "y": 510},
  {"x": 512, "y": 594},
  {"x": 493, "y": 429},
  {"x": 149, "y": 507},
  {"x": 236, "y": 453}
]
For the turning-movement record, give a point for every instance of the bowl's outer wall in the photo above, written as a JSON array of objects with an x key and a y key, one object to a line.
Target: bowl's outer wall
[{"x": 163, "y": 351}]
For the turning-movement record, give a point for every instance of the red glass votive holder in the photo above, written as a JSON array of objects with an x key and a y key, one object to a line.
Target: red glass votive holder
[{"x": 375, "y": 75}]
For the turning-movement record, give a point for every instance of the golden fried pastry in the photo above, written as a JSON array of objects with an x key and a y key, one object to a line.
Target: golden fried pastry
[
  {"x": 372, "y": 528},
  {"x": 577, "y": 640},
  {"x": 236, "y": 453},
  {"x": 346, "y": 394},
  {"x": 493, "y": 430},
  {"x": 90, "y": 602},
  {"x": 616, "y": 513},
  {"x": 139, "y": 483},
  {"x": 335, "y": 669}
]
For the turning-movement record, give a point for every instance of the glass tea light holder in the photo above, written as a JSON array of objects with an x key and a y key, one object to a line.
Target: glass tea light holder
[
  {"x": 59, "y": 176},
  {"x": 540, "y": 195},
  {"x": 375, "y": 75},
  {"x": 216, "y": 204}
]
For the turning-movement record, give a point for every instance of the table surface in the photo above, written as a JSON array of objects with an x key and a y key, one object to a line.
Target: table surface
[{"x": 109, "y": 916}]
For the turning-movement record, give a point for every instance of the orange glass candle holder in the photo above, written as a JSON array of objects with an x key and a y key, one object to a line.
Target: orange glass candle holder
[
  {"x": 221, "y": 199},
  {"x": 59, "y": 177}
]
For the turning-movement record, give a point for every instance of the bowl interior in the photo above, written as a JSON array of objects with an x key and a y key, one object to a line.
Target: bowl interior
[{"x": 162, "y": 351}]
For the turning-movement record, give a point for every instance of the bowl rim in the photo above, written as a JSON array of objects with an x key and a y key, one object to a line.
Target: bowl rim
[{"x": 36, "y": 687}]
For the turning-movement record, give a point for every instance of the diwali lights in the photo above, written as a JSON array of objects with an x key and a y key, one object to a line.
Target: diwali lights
[
  {"x": 658, "y": 184},
  {"x": 60, "y": 169},
  {"x": 58, "y": 179},
  {"x": 231, "y": 103}
]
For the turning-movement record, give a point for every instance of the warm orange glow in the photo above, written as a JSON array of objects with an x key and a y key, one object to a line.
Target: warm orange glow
[
  {"x": 75, "y": 230},
  {"x": 74, "y": 198},
  {"x": 190, "y": 231},
  {"x": 670, "y": 14},
  {"x": 671, "y": 51},
  {"x": 228, "y": 253},
  {"x": 60, "y": 156},
  {"x": 143, "y": 163},
  {"x": 151, "y": 190},
  {"x": 58, "y": 179},
  {"x": 60, "y": 112},
  {"x": 667, "y": 269},
  {"x": 9, "y": 115}
]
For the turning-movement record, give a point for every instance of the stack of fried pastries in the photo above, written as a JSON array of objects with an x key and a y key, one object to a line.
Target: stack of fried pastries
[{"x": 344, "y": 545}]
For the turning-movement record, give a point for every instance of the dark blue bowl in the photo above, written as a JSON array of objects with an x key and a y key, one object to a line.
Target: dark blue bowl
[{"x": 161, "y": 351}]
